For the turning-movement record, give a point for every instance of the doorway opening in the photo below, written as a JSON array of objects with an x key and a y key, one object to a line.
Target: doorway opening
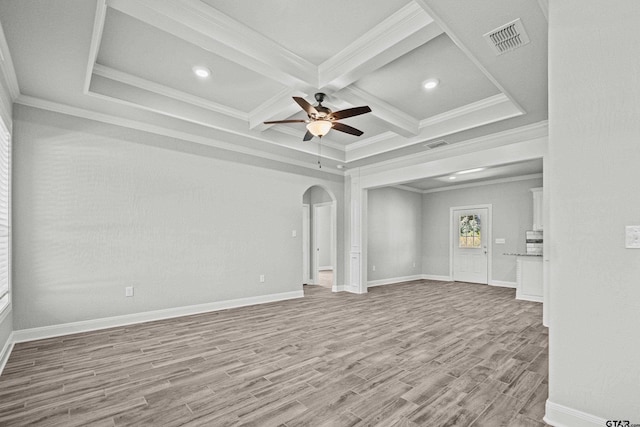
[{"x": 319, "y": 240}]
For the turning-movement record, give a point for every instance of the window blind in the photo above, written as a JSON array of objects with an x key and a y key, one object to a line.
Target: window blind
[{"x": 5, "y": 215}]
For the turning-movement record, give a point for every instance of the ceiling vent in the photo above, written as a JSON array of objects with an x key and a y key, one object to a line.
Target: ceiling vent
[
  {"x": 435, "y": 144},
  {"x": 507, "y": 37}
]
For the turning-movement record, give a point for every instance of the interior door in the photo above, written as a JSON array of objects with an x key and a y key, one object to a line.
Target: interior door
[
  {"x": 469, "y": 241},
  {"x": 306, "y": 244}
]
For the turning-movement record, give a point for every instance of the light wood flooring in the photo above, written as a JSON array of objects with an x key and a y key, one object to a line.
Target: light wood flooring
[{"x": 414, "y": 354}]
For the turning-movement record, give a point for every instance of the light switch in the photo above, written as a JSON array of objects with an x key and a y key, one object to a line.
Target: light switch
[
  {"x": 500, "y": 241},
  {"x": 632, "y": 236},
  {"x": 294, "y": 233}
]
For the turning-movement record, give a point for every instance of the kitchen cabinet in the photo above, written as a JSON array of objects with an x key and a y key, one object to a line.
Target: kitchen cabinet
[
  {"x": 538, "y": 209},
  {"x": 529, "y": 278}
]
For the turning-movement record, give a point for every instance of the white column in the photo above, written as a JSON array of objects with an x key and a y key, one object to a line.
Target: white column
[{"x": 357, "y": 252}]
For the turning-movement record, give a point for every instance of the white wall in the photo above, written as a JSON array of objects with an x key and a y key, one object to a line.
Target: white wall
[
  {"x": 394, "y": 236},
  {"x": 594, "y": 171},
  {"x": 99, "y": 207},
  {"x": 512, "y": 209}
]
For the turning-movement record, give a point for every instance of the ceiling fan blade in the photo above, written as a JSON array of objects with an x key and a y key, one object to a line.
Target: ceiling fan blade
[
  {"x": 350, "y": 112},
  {"x": 307, "y": 136},
  {"x": 285, "y": 121},
  {"x": 310, "y": 109},
  {"x": 346, "y": 129}
]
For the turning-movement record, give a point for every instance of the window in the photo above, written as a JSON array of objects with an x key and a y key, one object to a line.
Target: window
[{"x": 5, "y": 216}]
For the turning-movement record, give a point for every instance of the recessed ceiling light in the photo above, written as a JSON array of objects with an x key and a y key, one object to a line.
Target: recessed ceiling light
[
  {"x": 471, "y": 171},
  {"x": 202, "y": 72},
  {"x": 430, "y": 83},
  {"x": 340, "y": 166},
  {"x": 452, "y": 177}
]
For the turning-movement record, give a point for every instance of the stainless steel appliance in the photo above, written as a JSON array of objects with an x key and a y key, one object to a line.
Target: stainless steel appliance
[{"x": 534, "y": 242}]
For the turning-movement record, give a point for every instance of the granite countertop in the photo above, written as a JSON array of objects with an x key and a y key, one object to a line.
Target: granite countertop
[{"x": 516, "y": 254}]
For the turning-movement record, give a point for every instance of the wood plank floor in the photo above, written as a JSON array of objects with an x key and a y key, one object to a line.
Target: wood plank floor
[{"x": 415, "y": 354}]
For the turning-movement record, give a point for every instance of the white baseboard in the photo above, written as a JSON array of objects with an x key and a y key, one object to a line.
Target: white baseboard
[
  {"x": 504, "y": 284},
  {"x": 353, "y": 289},
  {"x": 563, "y": 416},
  {"x": 531, "y": 298},
  {"x": 436, "y": 277},
  {"x": 337, "y": 288},
  {"x": 6, "y": 352},
  {"x": 129, "y": 319},
  {"x": 325, "y": 268},
  {"x": 392, "y": 280}
]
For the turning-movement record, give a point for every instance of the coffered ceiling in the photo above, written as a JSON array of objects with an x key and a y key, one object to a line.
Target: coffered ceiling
[{"x": 131, "y": 61}]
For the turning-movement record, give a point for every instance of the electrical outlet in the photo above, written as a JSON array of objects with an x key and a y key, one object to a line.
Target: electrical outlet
[
  {"x": 294, "y": 233},
  {"x": 500, "y": 241},
  {"x": 632, "y": 237},
  {"x": 128, "y": 291},
  {"x": 373, "y": 268},
  {"x": 262, "y": 278},
  {"x": 414, "y": 264}
]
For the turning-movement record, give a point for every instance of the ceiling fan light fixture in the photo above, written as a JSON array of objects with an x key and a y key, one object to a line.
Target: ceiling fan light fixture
[
  {"x": 431, "y": 83},
  {"x": 319, "y": 127},
  {"x": 202, "y": 72}
]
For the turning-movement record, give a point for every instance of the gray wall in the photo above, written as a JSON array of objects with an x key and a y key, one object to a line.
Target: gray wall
[
  {"x": 99, "y": 207},
  {"x": 594, "y": 148},
  {"x": 394, "y": 227},
  {"x": 512, "y": 209}
]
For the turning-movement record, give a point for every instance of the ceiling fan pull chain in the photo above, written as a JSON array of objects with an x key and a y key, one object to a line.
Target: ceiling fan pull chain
[{"x": 319, "y": 151}]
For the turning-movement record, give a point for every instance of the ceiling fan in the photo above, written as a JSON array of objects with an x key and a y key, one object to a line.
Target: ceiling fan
[{"x": 321, "y": 119}]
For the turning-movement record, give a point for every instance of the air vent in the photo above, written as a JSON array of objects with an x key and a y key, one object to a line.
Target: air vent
[
  {"x": 508, "y": 37},
  {"x": 435, "y": 144}
]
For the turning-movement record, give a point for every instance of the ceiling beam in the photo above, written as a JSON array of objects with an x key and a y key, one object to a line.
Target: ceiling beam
[
  {"x": 279, "y": 107},
  {"x": 203, "y": 26},
  {"x": 396, "y": 120},
  {"x": 397, "y": 35}
]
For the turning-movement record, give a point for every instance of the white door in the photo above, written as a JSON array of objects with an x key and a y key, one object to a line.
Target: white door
[
  {"x": 471, "y": 232},
  {"x": 306, "y": 244}
]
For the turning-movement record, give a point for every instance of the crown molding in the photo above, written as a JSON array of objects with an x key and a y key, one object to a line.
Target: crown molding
[
  {"x": 131, "y": 80},
  {"x": 483, "y": 183},
  {"x": 163, "y": 131},
  {"x": 464, "y": 110},
  {"x": 121, "y": 93},
  {"x": 7, "y": 69},
  {"x": 96, "y": 38},
  {"x": 490, "y": 110},
  {"x": 507, "y": 137},
  {"x": 370, "y": 140}
]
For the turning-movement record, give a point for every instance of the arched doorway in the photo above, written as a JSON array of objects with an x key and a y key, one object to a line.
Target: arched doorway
[{"x": 319, "y": 239}]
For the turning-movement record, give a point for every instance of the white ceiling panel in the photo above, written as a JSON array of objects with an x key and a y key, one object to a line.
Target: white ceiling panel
[
  {"x": 400, "y": 82},
  {"x": 136, "y": 48},
  {"x": 313, "y": 30},
  {"x": 117, "y": 57}
]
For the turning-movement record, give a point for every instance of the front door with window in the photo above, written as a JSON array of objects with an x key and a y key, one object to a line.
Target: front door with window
[{"x": 469, "y": 242}]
